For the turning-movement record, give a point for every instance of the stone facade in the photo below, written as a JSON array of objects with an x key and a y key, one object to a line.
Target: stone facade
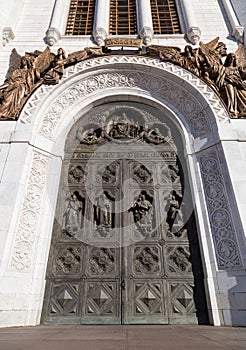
[{"x": 32, "y": 149}]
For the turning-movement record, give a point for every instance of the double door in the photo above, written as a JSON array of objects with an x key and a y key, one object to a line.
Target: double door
[{"x": 123, "y": 250}]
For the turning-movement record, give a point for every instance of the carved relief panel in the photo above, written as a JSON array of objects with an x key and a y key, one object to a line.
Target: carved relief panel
[{"x": 123, "y": 248}]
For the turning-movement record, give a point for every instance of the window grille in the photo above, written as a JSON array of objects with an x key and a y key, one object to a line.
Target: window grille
[
  {"x": 165, "y": 17},
  {"x": 80, "y": 17},
  {"x": 122, "y": 17}
]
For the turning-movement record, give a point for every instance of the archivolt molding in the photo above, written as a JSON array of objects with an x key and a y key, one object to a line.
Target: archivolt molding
[
  {"x": 160, "y": 84},
  {"x": 156, "y": 86},
  {"x": 21, "y": 257}
]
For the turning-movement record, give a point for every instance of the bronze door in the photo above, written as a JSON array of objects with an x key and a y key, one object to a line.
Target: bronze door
[
  {"x": 122, "y": 250},
  {"x": 157, "y": 275}
]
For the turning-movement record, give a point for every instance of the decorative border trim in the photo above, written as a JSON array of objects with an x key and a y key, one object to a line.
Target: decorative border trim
[
  {"x": 220, "y": 216},
  {"x": 21, "y": 257},
  {"x": 157, "y": 86}
]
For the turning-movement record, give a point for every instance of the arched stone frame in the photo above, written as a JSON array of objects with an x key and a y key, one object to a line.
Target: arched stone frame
[{"x": 44, "y": 124}]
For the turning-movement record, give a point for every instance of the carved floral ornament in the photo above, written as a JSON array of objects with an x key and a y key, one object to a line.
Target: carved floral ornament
[
  {"x": 224, "y": 73},
  {"x": 164, "y": 89}
]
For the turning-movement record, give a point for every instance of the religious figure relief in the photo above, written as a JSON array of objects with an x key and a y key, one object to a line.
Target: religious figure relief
[
  {"x": 119, "y": 127},
  {"x": 72, "y": 218},
  {"x": 142, "y": 174},
  {"x": 190, "y": 59},
  {"x": 228, "y": 79},
  {"x": 170, "y": 173},
  {"x": 76, "y": 174},
  {"x": 154, "y": 136},
  {"x": 174, "y": 214},
  {"x": 109, "y": 173},
  {"x": 81, "y": 55},
  {"x": 90, "y": 136},
  {"x": 142, "y": 212},
  {"x": 17, "y": 87},
  {"x": 53, "y": 76},
  {"x": 174, "y": 172},
  {"x": 32, "y": 70},
  {"x": 165, "y": 53},
  {"x": 103, "y": 214},
  {"x": 60, "y": 61}
]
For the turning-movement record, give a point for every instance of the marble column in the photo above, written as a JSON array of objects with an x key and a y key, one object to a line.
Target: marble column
[
  {"x": 58, "y": 21},
  {"x": 144, "y": 20},
  {"x": 101, "y": 21},
  {"x": 237, "y": 29},
  {"x": 9, "y": 15},
  {"x": 193, "y": 31}
]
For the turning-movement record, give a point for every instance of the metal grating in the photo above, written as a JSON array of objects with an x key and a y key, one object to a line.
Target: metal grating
[
  {"x": 165, "y": 17},
  {"x": 122, "y": 17},
  {"x": 80, "y": 17}
]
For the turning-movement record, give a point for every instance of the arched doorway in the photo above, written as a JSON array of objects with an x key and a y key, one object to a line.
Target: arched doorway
[{"x": 124, "y": 246}]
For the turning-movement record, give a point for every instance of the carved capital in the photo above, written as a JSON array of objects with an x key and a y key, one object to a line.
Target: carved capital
[
  {"x": 99, "y": 35},
  {"x": 238, "y": 33},
  {"x": 146, "y": 34},
  {"x": 52, "y": 36},
  {"x": 194, "y": 35},
  {"x": 7, "y": 35}
]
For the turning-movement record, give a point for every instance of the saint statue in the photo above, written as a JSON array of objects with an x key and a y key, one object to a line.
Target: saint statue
[
  {"x": 73, "y": 215},
  {"x": 103, "y": 215},
  {"x": 174, "y": 210},
  {"x": 142, "y": 210}
]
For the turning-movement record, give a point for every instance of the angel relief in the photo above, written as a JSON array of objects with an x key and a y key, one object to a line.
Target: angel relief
[
  {"x": 228, "y": 79},
  {"x": 17, "y": 87},
  {"x": 33, "y": 69}
]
